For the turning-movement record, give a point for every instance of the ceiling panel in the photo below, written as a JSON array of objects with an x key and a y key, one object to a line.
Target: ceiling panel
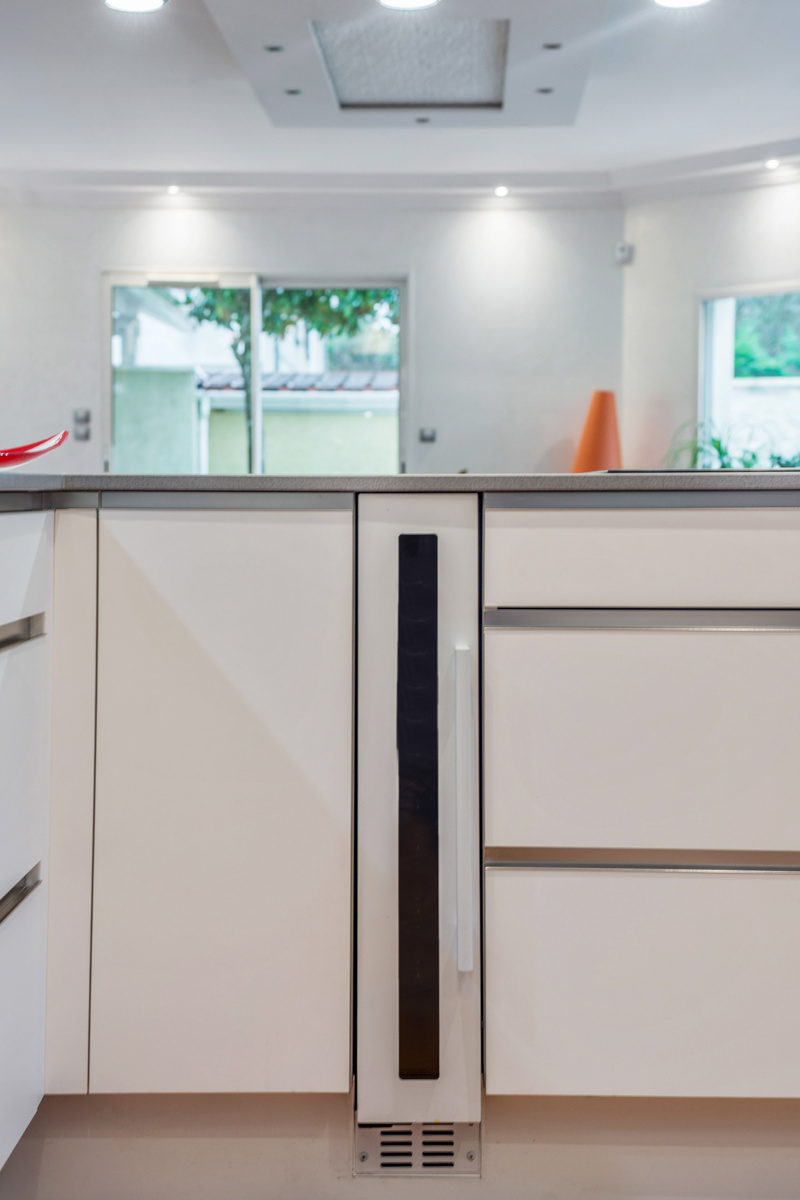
[
  {"x": 351, "y": 63},
  {"x": 408, "y": 61}
]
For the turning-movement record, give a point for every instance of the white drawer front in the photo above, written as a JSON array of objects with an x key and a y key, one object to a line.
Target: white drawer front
[
  {"x": 25, "y": 758},
  {"x": 642, "y": 983},
  {"x": 698, "y": 557},
  {"x": 678, "y": 739},
  {"x": 22, "y": 1004},
  {"x": 26, "y": 564}
]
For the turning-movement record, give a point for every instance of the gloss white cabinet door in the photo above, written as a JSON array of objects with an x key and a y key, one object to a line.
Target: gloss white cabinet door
[
  {"x": 26, "y": 572},
  {"x": 23, "y": 937},
  {"x": 642, "y": 983},
  {"x": 702, "y": 557},
  {"x": 26, "y": 554},
  {"x": 222, "y": 891},
  {"x": 654, "y": 739}
]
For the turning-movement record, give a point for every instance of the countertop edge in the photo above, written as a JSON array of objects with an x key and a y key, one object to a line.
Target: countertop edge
[{"x": 601, "y": 482}]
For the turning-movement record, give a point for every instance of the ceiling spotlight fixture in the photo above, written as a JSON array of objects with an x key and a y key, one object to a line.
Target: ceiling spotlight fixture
[
  {"x": 681, "y": 3},
  {"x": 772, "y": 164},
  {"x": 501, "y": 191},
  {"x": 408, "y": 4},
  {"x": 173, "y": 189},
  {"x": 136, "y": 6}
]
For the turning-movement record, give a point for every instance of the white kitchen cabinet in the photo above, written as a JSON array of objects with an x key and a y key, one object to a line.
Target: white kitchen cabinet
[
  {"x": 71, "y": 801},
  {"x": 661, "y": 739},
  {"x": 222, "y": 889},
  {"x": 26, "y": 548},
  {"x": 642, "y": 983},
  {"x": 23, "y": 937},
  {"x": 702, "y": 557},
  {"x": 26, "y": 553}
]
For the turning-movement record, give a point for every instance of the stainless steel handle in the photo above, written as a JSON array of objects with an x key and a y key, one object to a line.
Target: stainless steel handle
[
  {"x": 24, "y": 630},
  {"x": 464, "y": 808},
  {"x": 19, "y": 892}
]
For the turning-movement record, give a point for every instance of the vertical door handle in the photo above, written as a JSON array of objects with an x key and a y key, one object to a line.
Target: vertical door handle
[
  {"x": 464, "y": 808},
  {"x": 418, "y": 807}
]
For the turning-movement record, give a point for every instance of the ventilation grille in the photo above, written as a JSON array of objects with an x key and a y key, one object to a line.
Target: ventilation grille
[
  {"x": 429, "y": 1150},
  {"x": 414, "y": 60}
]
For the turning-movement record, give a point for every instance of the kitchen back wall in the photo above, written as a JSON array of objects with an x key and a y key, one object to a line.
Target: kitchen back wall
[{"x": 513, "y": 316}]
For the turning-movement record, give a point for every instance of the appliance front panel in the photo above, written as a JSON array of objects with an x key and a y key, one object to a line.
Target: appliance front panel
[{"x": 419, "y": 1052}]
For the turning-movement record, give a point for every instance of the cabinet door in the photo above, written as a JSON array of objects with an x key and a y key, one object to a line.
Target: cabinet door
[
  {"x": 642, "y": 983},
  {"x": 26, "y": 554},
  {"x": 26, "y": 549},
  {"x": 642, "y": 739},
  {"x": 23, "y": 936},
  {"x": 222, "y": 898}
]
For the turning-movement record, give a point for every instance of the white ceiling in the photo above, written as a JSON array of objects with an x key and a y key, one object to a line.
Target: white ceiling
[{"x": 86, "y": 89}]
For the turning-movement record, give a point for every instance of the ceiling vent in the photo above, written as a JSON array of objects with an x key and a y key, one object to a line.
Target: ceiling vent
[{"x": 407, "y": 60}]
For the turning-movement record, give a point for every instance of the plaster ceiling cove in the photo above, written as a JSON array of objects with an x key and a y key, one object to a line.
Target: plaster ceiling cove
[{"x": 468, "y": 63}]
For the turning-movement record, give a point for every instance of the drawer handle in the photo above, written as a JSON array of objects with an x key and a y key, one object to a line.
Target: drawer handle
[
  {"x": 464, "y": 809},
  {"x": 19, "y": 892},
  {"x": 418, "y": 807},
  {"x": 24, "y": 630}
]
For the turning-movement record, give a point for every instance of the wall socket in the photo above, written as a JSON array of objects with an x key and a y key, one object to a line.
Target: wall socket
[{"x": 82, "y": 424}]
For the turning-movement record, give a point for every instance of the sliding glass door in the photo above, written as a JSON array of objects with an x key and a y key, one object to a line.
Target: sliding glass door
[{"x": 233, "y": 377}]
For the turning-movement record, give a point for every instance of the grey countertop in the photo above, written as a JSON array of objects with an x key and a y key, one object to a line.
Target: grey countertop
[{"x": 601, "y": 482}]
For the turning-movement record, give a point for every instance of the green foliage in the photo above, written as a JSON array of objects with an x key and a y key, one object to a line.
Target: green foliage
[
  {"x": 331, "y": 312},
  {"x": 768, "y": 336},
  {"x": 697, "y": 447}
]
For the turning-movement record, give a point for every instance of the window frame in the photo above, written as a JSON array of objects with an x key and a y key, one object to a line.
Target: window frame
[
  {"x": 703, "y": 301},
  {"x": 255, "y": 281}
]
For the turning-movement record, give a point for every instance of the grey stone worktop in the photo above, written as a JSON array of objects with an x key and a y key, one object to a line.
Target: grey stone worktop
[{"x": 602, "y": 482}]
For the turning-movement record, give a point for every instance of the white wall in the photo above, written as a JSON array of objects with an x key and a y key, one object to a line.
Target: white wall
[
  {"x": 685, "y": 249},
  {"x": 514, "y": 316}
]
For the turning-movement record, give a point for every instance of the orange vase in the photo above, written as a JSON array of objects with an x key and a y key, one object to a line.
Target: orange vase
[{"x": 598, "y": 449}]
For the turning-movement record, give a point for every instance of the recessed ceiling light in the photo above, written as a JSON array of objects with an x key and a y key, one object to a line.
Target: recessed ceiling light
[
  {"x": 502, "y": 190},
  {"x": 772, "y": 164},
  {"x": 545, "y": 91},
  {"x": 422, "y": 120},
  {"x": 552, "y": 45},
  {"x": 293, "y": 91},
  {"x": 274, "y": 49},
  {"x": 408, "y": 4},
  {"x": 173, "y": 189},
  {"x": 681, "y": 3},
  {"x": 137, "y": 6}
]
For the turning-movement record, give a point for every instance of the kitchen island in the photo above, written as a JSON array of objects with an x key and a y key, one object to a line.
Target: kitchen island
[{"x": 225, "y": 869}]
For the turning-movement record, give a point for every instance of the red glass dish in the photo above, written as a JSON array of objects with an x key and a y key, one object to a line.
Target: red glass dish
[{"x": 17, "y": 455}]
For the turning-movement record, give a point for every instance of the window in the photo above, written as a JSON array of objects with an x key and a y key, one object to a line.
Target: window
[
  {"x": 194, "y": 390},
  {"x": 751, "y": 388}
]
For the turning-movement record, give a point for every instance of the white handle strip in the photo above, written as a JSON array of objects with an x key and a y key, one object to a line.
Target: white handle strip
[{"x": 464, "y": 807}]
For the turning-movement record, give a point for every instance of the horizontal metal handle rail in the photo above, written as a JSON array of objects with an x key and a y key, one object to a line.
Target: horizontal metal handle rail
[
  {"x": 24, "y": 630},
  {"x": 635, "y": 619},
  {"x": 607, "y": 859},
  {"x": 19, "y": 892}
]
